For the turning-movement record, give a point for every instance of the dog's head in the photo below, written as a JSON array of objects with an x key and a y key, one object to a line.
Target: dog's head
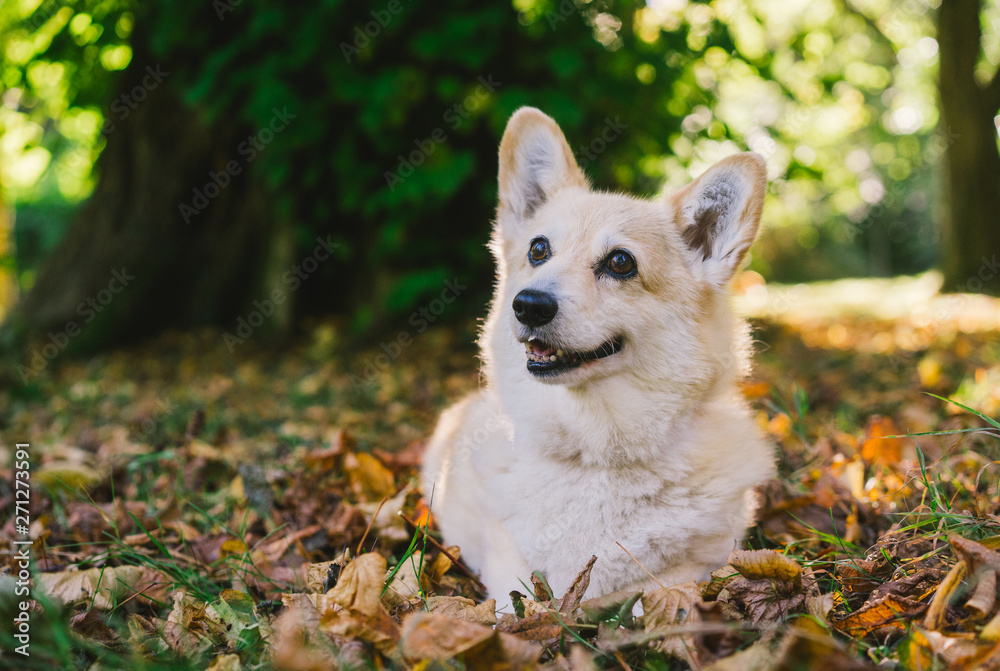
[{"x": 593, "y": 282}]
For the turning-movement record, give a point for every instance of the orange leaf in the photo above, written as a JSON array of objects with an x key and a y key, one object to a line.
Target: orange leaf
[
  {"x": 754, "y": 390},
  {"x": 423, "y": 517},
  {"x": 888, "y": 611},
  {"x": 877, "y": 449}
]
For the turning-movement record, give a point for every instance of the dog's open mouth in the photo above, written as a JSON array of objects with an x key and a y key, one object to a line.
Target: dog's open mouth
[{"x": 546, "y": 359}]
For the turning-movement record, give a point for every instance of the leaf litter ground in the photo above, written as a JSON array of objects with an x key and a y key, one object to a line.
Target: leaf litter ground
[{"x": 194, "y": 507}]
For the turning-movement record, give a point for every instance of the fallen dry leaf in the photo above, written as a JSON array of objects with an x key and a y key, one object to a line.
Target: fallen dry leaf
[
  {"x": 369, "y": 478},
  {"x": 107, "y": 587},
  {"x": 769, "y": 587},
  {"x": 809, "y": 647},
  {"x": 438, "y": 637},
  {"x": 765, "y": 565},
  {"x": 460, "y": 608},
  {"x": 877, "y": 449},
  {"x": 888, "y": 611},
  {"x": 354, "y": 607},
  {"x": 668, "y": 608}
]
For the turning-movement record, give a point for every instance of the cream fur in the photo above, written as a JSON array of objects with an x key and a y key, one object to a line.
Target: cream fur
[{"x": 652, "y": 447}]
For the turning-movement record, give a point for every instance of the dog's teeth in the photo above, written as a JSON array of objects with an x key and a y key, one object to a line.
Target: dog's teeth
[
  {"x": 559, "y": 352},
  {"x": 553, "y": 357}
]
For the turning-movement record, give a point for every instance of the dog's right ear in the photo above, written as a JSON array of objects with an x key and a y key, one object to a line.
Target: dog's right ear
[
  {"x": 535, "y": 162},
  {"x": 718, "y": 215}
]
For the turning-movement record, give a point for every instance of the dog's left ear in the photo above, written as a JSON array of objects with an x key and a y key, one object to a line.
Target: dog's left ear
[{"x": 719, "y": 213}]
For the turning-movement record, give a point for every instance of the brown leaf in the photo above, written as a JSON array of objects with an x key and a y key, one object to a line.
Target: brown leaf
[
  {"x": 90, "y": 624},
  {"x": 719, "y": 578},
  {"x": 985, "y": 594},
  {"x": 915, "y": 586},
  {"x": 861, "y": 577},
  {"x": 975, "y": 554},
  {"x": 541, "y": 626},
  {"x": 460, "y": 608},
  {"x": 318, "y": 574},
  {"x": 770, "y": 587},
  {"x": 808, "y": 647},
  {"x": 354, "y": 607},
  {"x": 765, "y": 565},
  {"x": 442, "y": 564},
  {"x": 942, "y": 597},
  {"x": 360, "y": 585},
  {"x": 295, "y": 633},
  {"x": 437, "y": 637},
  {"x": 107, "y": 587},
  {"x": 669, "y": 606},
  {"x": 959, "y": 653},
  {"x": 764, "y": 600},
  {"x": 574, "y": 595},
  {"x": 185, "y": 630},
  {"x": 665, "y": 609},
  {"x": 369, "y": 479},
  {"x": 542, "y": 591},
  {"x": 889, "y": 611}
]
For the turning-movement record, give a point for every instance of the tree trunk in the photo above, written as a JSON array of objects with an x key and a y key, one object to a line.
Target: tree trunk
[
  {"x": 130, "y": 265},
  {"x": 971, "y": 253}
]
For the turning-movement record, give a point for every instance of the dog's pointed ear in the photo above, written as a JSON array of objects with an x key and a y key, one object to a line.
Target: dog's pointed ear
[
  {"x": 719, "y": 213},
  {"x": 535, "y": 162}
]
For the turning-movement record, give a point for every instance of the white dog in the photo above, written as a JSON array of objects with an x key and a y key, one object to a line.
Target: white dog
[{"x": 610, "y": 413}]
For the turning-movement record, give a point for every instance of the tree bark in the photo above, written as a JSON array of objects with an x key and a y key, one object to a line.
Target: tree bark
[
  {"x": 971, "y": 241},
  {"x": 130, "y": 265}
]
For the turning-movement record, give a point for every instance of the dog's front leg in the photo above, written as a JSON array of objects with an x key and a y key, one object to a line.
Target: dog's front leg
[{"x": 505, "y": 569}]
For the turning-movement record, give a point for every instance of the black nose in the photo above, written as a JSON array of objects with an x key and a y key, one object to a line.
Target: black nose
[{"x": 535, "y": 308}]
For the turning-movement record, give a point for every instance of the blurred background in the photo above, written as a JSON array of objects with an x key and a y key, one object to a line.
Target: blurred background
[{"x": 248, "y": 164}]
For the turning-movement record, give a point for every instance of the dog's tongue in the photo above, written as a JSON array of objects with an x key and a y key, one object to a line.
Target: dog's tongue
[{"x": 541, "y": 349}]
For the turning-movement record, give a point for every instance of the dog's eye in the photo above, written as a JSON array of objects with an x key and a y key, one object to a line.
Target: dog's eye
[
  {"x": 620, "y": 263},
  {"x": 539, "y": 251}
]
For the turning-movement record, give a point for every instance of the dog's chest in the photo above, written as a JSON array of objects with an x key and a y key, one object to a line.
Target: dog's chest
[{"x": 560, "y": 515}]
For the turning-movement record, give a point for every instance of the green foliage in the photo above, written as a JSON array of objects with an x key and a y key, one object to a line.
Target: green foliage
[{"x": 393, "y": 142}]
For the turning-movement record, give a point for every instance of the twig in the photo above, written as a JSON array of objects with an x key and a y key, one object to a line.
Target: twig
[
  {"x": 370, "y": 523},
  {"x": 640, "y": 565}
]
